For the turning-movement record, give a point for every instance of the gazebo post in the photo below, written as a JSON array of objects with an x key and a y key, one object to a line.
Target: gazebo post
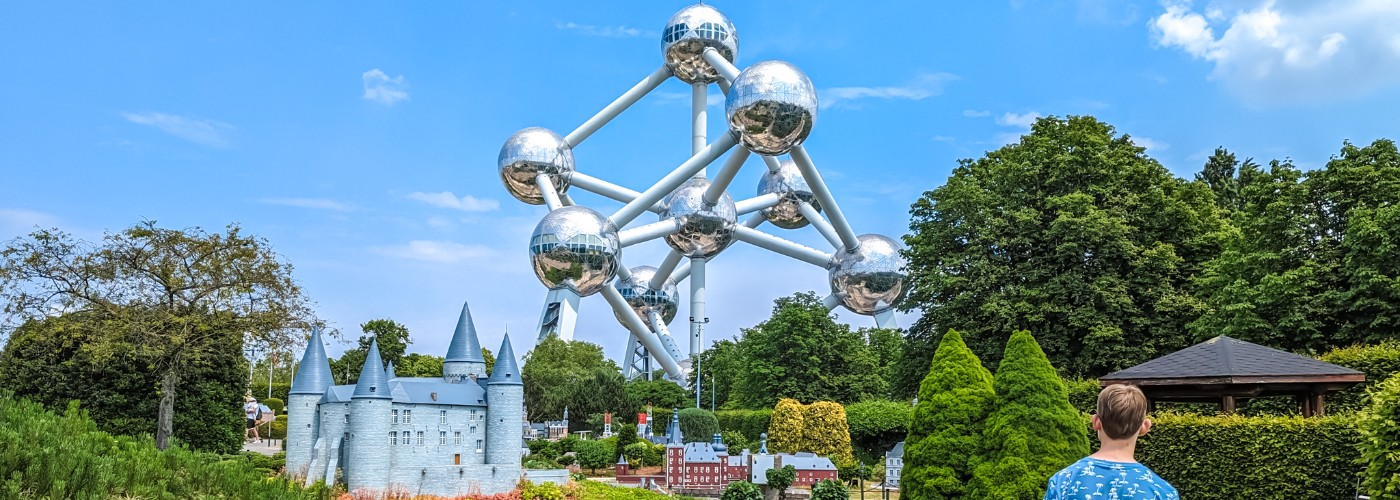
[
  {"x": 1227, "y": 403},
  {"x": 1319, "y": 408},
  {"x": 1307, "y": 405}
]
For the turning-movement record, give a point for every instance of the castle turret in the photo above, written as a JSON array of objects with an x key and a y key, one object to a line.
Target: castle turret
[
  {"x": 464, "y": 359},
  {"x": 312, "y": 379},
  {"x": 367, "y": 463},
  {"x": 389, "y": 372},
  {"x": 505, "y": 394}
]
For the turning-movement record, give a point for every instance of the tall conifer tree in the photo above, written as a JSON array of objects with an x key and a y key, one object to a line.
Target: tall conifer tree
[{"x": 946, "y": 432}]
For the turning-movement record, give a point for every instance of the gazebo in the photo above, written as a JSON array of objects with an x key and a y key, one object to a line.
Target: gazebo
[{"x": 1223, "y": 370}]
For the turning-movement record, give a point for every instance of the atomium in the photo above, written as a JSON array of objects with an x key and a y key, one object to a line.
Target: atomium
[{"x": 770, "y": 108}]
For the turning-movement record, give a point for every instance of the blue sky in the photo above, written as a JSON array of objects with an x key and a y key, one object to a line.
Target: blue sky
[{"x": 361, "y": 138}]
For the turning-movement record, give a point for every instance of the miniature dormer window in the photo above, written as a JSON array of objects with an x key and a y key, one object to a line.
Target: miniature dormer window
[{"x": 434, "y": 396}]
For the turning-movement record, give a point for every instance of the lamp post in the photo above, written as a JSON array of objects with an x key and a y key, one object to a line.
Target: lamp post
[
  {"x": 272, "y": 360},
  {"x": 251, "y": 352}
]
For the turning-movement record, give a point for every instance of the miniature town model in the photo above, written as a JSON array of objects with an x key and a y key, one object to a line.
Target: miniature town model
[
  {"x": 448, "y": 436},
  {"x": 894, "y": 465}
]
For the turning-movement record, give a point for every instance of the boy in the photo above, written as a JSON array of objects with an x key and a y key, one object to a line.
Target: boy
[{"x": 1112, "y": 472}]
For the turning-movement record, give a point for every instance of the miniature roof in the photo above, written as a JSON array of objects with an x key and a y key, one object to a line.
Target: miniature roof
[
  {"x": 389, "y": 372},
  {"x": 505, "y": 372},
  {"x": 808, "y": 461},
  {"x": 897, "y": 451},
  {"x": 1223, "y": 360},
  {"x": 465, "y": 345},
  {"x": 700, "y": 453},
  {"x": 314, "y": 374},
  {"x": 373, "y": 383},
  {"x": 419, "y": 391},
  {"x": 673, "y": 433}
]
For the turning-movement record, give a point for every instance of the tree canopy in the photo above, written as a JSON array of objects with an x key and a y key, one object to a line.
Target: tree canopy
[{"x": 574, "y": 374}]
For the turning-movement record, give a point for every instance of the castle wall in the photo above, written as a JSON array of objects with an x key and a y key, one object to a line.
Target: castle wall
[
  {"x": 504, "y": 435},
  {"x": 455, "y": 480},
  {"x": 470, "y": 421},
  {"x": 459, "y": 372},
  {"x": 302, "y": 422},
  {"x": 367, "y": 463}
]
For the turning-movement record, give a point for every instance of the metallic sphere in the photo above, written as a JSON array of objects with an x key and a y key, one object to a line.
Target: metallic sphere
[
  {"x": 575, "y": 247},
  {"x": 705, "y": 229},
  {"x": 787, "y": 182},
  {"x": 689, "y": 33},
  {"x": 643, "y": 298},
  {"x": 531, "y": 152},
  {"x": 771, "y": 107},
  {"x": 871, "y": 279}
]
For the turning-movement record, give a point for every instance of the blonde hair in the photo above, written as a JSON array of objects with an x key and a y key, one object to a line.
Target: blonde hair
[{"x": 1121, "y": 409}]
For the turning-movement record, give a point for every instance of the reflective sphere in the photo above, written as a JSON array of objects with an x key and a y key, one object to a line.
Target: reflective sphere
[
  {"x": 687, "y": 35},
  {"x": 792, "y": 190},
  {"x": 643, "y": 298},
  {"x": 531, "y": 152},
  {"x": 771, "y": 107},
  {"x": 577, "y": 248},
  {"x": 704, "y": 230},
  {"x": 871, "y": 279}
]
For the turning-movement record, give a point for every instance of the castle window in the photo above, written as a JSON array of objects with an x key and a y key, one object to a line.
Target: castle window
[
  {"x": 393, "y": 439},
  {"x": 396, "y": 416},
  {"x": 347, "y": 418},
  {"x": 480, "y": 446},
  {"x": 420, "y": 438},
  {"x": 442, "y": 437},
  {"x": 408, "y": 416},
  {"x": 442, "y": 416},
  {"x": 457, "y": 438}
]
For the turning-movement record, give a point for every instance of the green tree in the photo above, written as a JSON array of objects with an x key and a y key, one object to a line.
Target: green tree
[
  {"x": 393, "y": 343},
  {"x": 830, "y": 489},
  {"x": 419, "y": 365},
  {"x": 1072, "y": 232},
  {"x": 887, "y": 345},
  {"x": 722, "y": 365},
  {"x": 877, "y": 425},
  {"x": 490, "y": 360},
  {"x": 1220, "y": 174},
  {"x": 1380, "y": 443},
  {"x": 657, "y": 392},
  {"x": 698, "y": 426},
  {"x": 595, "y": 393},
  {"x": 626, "y": 436},
  {"x": 801, "y": 352},
  {"x": 741, "y": 490},
  {"x": 594, "y": 454},
  {"x": 945, "y": 436},
  {"x": 171, "y": 297},
  {"x": 556, "y": 369},
  {"x": 780, "y": 478},
  {"x": 1033, "y": 432}
]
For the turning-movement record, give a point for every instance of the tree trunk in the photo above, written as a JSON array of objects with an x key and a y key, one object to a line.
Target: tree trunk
[{"x": 165, "y": 419}]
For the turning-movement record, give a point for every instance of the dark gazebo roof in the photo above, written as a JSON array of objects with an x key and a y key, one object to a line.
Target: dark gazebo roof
[{"x": 1222, "y": 369}]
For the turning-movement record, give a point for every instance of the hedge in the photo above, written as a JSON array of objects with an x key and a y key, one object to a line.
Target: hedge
[
  {"x": 279, "y": 389},
  {"x": 698, "y": 426},
  {"x": 750, "y": 423},
  {"x": 876, "y": 426},
  {"x": 1234, "y": 456},
  {"x": 1083, "y": 393},
  {"x": 1378, "y": 361}
]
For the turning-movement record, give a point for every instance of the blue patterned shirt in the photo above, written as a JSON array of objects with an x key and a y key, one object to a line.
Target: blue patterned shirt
[{"x": 1096, "y": 479}]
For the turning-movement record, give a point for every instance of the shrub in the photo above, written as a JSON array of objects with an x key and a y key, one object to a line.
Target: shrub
[
  {"x": 877, "y": 425},
  {"x": 278, "y": 428},
  {"x": 259, "y": 389},
  {"x": 946, "y": 431},
  {"x": 741, "y": 490},
  {"x": 544, "y": 450},
  {"x": 698, "y": 425},
  {"x": 1083, "y": 393},
  {"x": 750, "y": 423},
  {"x": 1380, "y": 441},
  {"x": 1378, "y": 361},
  {"x": 736, "y": 442},
  {"x": 824, "y": 431},
  {"x": 566, "y": 443},
  {"x": 1235, "y": 456},
  {"x": 626, "y": 436},
  {"x": 785, "y": 428},
  {"x": 656, "y": 455},
  {"x": 1033, "y": 432},
  {"x": 636, "y": 453},
  {"x": 565, "y": 460},
  {"x": 542, "y": 491},
  {"x": 830, "y": 490},
  {"x": 780, "y": 478},
  {"x": 594, "y": 490},
  {"x": 276, "y": 405},
  {"x": 594, "y": 454}
]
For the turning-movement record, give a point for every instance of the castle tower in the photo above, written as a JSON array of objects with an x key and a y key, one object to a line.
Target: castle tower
[
  {"x": 367, "y": 461},
  {"x": 312, "y": 379},
  {"x": 505, "y": 395},
  {"x": 389, "y": 372},
  {"x": 675, "y": 451},
  {"x": 464, "y": 358}
]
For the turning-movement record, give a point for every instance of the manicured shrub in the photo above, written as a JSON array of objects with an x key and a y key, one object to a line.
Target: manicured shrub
[
  {"x": 741, "y": 490},
  {"x": 279, "y": 389},
  {"x": 1033, "y": 431},
  {"x": 1380, "y": 441},
  {"x": 594, "y": 490},
  {"x": 544, "y": 450},
  {"x": 785, "y": 428},
  {"x": 594, "y": 454},
  {"x": 1083, "y": 393},
  {"x": 780, "y": 478},
  {"x": 825, "y": 432},
  {"x": 626, "y": 434},
  {"x": 566, "y": 460},
  {"x": 277, "y": 429},
  {"x": 276, "y": 405},
  {"x": 877, "y": 425},
  {"x": 736, "y": 442},
  {"x": 750, "y": 423},
  {"x": 698, "y": 425},
  {"x": 946, "y": 431},
  {"x": 1378, "y": 361},
  {"x": 636, "y": 454},
  {"x": 830, "y": 489},
  {"x": 1235, "y": 456}
]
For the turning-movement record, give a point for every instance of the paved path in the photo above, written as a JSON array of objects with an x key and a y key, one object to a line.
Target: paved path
[{"x": 264, "y": 447}]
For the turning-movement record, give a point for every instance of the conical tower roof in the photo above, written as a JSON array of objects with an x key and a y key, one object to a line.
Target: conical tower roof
[
  {"x": 505, "y": 372},
  {"x": 374, "y": 383},
  {"x": 465, "y": 346},
  {"x": 389, "y": 372},
  {"x": 314, "y": 373}
]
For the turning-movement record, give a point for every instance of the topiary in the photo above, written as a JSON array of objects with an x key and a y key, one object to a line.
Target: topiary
[
  {"x": 824, "y": 432},
  {"x": 780, "y": 478},
  {"x": 1380, "y": 441},
  {"x": 741, "y": 490},
  {"x": 785, "y": 427},
  {"x": 1033, "y": 432},
  {"x": 830, "y": 489},
  {"x": 275, "y": 404},
  {"x": 945, "y": 434},
  {"x": 698, "y": 425}
]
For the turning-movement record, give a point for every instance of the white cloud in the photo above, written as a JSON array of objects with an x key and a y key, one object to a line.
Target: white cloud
[
  {"x": 1151, "y": 144},
  {"x": 382, "y": 89},
  {"x": 925, "y": 86},
  {"x": 445, "y": 252},
  {"x": 1018, "y": 120},
  {"x": 198, "y": 130},
  {"x": 25, "y": 220},
  {"x": 1279, "y": 53},
  {"x": 313, "y": 203},
  {"x": 604, "y": 31},
  {"x": 447, "y": 199},
  {"x": 974, "y": 113}
]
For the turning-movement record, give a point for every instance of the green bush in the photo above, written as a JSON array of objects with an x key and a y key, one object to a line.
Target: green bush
[
  {"x": 45, "y": 455},
  {"x": 626, "y": 436},
  {"x": 1083, "y": 393},
  {"x": 565, "y": 460},
  {"x": 594, "y": 490},
  {"x": 1380, "y": 441},
  {"x": 594, "y": 454},
  {"x": 636, "y": 453},
  {"x": 1236, "y": 456},
  {"x": 741, "y": 490},
  {"x": 698, "y": 425},
  {"x": 542, "y": 491},
  {"x": 785, "y": 428},
  {"x": 736, "y": 442},
  {"x": 259, "y": 389},
  {"x": 566, "y": 443},
  {"x": 544, "y": 450},
  {"x": 826, "y": 433},
  {"x": 656, "y": 455},
  {"x": 830, "y": 489},
  {"x": 1378, "y": 361},
  {"x": 945, "y": 435},
  {"x": 876, "y": 426},
  {"x": 750, "y": 423},
  {"x": 278, "y": 428},
  {"x": 276, "y": 405}
]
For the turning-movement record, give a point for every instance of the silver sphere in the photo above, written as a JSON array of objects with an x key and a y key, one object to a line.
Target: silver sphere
[
  {"x": 644, "y": 299},
  {"x": 575, "y": 247},
  {"x": 771, "y": 107},
  {"x": 871, "y": 279},
  {"x": 792, "y": 190},
  {"x": 688, "y": 34},
  {"x": 705, "y": 229},
  {"x": 531, "y": 152}
]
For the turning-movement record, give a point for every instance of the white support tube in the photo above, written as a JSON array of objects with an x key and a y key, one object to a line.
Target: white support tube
[
  {"x": 810, "y": 213},
  {"x": 551, "y": 197},
  {"x": 725, "y": 176},
  {"x": 772, "y": 163},
  {"x": 648, "y": 232},
  {"x": 885, "y": 319},
  {"x": 828, "y": 202},
  {"x": 621, "y": 103},
  {"x": 682, "y": 273},
  {"x": 668, "y": 266},
  {"x": 566, "y": 200},
  {"x": 697, "y": 304},
  {"x": 623, "y": 273},
  {"x": 756, "y": 203},
  {"x": 767, "y": 241},
  {"x": 639, "y": 328},
  {"x": 673, "y": 180},
  {"x": 755, "y": 220},
  {"x": 831, "y": 301},
  {"x": 723, "y": 87},
  {"x": 607, "y": 189},
  {"x": 659, "y": 326},
  {"x": 697, "y": 119},
  {"x": 726, "y": 69}
]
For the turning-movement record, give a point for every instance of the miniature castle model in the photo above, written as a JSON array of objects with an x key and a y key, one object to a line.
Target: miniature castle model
[
  {"x": 448, "y": 436},
  {"x": 894, "y": 465}
]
